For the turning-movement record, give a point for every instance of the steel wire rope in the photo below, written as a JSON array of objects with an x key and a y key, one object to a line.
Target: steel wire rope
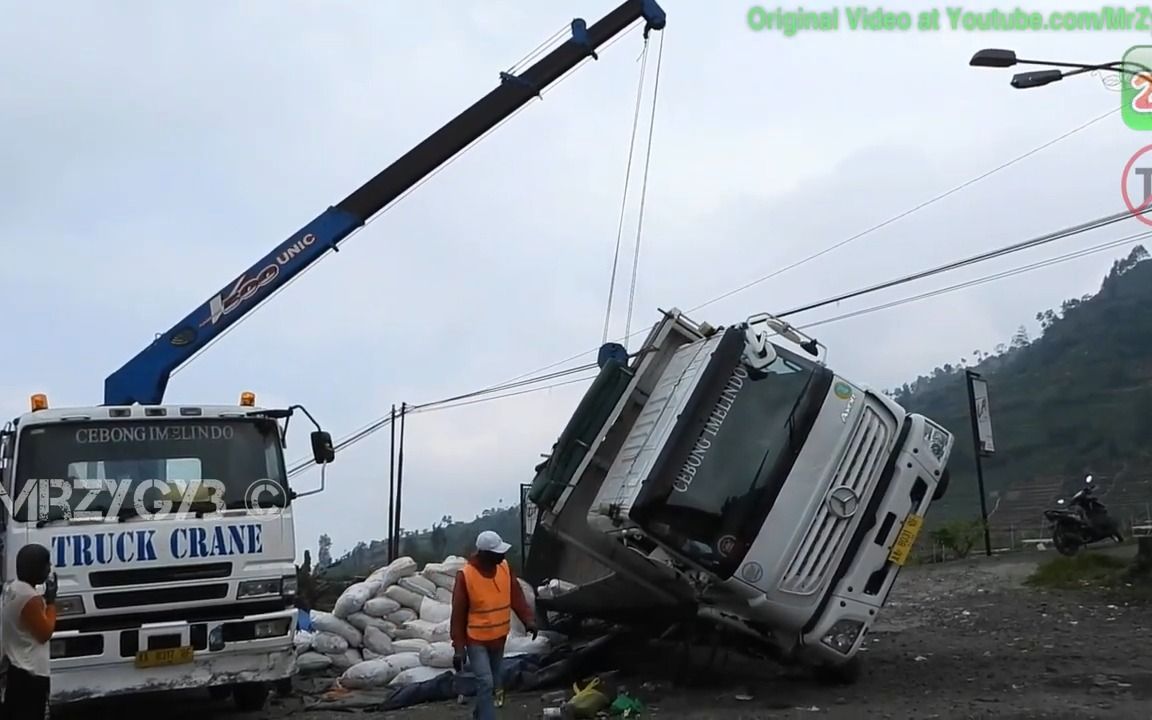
[
  {"x": 477, "y": 397},
  {"x": 400, "y": 198},
  {"x": 899, "y": 216},
  {"x": 644, "y": 188},
  {"x": 627, "y": 183}
]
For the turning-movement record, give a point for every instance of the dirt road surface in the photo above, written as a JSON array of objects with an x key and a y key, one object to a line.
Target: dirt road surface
[{"x": 961, "y": 640}]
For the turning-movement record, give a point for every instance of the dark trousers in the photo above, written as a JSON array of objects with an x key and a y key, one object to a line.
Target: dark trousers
[{"x": 26, "y": 695}]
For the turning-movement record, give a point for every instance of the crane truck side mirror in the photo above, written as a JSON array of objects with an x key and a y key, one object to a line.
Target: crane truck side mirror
[{"x": 323, "y": 451}]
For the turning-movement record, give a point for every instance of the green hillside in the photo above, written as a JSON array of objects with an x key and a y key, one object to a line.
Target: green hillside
[{"x": 1075, "y": 400}]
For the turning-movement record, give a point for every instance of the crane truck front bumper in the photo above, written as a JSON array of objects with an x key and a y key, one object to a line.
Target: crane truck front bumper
[{"x": 173, "y": 656}]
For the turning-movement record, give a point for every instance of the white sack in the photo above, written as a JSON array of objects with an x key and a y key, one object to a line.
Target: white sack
[
  {"x": 444, "y": 595},
  {"x": 312, "y": 662},
  {"x": 437, "y": 655},
  {"x": 391, "y": 574},
  {"x": 368, "y": 674},
  {"x": 404, "y": 661},
  {"x": 525, "y": 646},
  {"x": 347, "y": 659},
  {"x": 444, "y": 581},
  {"x": 329, "y": 643},
  {"x": 410, "y": 646},
  {"x": 362, "y": 622},
  {"x": 401, "y": 616},
  {"x": 415, "y": 675},
  {"x": 434, "y": 611},
  {"x": 325, "y": 622},
  {"x": 417, "y": 629},
  {"x": 369, "y": 655},
  {"x": 354, "y": 597},
  {"x": 418, "y": 585},
  {"x": 382, "y": 606},
  {"x": 376, "y": 641},
  {"x": 303, "y": 641},
  {"x": 406, "y": 597},
  {"x": 442, "y": 632}
]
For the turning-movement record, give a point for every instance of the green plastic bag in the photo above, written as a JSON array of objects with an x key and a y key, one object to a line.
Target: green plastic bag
[{"x": 627, "y": 706}]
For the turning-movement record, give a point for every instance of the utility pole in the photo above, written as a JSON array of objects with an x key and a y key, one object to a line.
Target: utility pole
[
  {"x": 392, "y": 490},
  {"x": 400, "y": 474},
  {"x": 982, "y": 444}
]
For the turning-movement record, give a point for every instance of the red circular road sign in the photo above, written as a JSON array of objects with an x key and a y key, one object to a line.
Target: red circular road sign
[{"x": 1136, "y": 210}]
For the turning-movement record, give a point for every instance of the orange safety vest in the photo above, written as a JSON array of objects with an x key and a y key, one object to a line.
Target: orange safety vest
[{"x": 489, "y": 603}]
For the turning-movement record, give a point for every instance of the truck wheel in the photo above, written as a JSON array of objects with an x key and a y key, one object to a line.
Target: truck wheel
[
  {"x": 843, "y": 674},
  {"x": 219, "y": 692},
  {"x": 250, "y": 697}
]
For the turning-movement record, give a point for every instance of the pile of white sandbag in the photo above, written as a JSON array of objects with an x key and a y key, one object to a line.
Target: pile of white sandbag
[{"x": 393, "y": 629}]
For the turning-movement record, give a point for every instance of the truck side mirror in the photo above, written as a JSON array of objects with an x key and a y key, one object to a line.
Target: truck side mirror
[{"x": 323, "y": 451}]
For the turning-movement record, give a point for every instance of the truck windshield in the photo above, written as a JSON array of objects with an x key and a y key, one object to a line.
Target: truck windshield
[
  {"x": 115, "y": 468},
  {"x": 733, "y": 454}
]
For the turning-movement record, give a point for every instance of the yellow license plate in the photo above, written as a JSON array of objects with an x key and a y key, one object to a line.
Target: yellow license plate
[
  {"x": 906, "y": 539},
  {"x": 166, "y": 656}
]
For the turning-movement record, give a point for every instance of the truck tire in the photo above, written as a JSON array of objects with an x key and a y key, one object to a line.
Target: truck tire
[
  {"x": 843, "y": 674},
  {"x": 219, "y": 692},
  {"x": 250, "y": 697}
]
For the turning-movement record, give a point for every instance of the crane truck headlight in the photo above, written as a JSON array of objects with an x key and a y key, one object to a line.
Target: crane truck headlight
[
  {"x": 843, "y": 635},
  {"x": 69, "y": 605},
  {"x": 937, "y": 439},
  {"x": 259, "y": 588},
  {"x": 288, "y": 586}
]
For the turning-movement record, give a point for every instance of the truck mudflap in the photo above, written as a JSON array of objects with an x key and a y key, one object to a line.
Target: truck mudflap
[{"x": 232, "y": 655}]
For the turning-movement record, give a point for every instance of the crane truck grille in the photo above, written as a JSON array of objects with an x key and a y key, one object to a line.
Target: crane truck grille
[{"x": 861, "y": 464}]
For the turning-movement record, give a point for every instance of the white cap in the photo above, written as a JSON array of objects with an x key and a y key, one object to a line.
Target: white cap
[{"x": 489, "y": 541}]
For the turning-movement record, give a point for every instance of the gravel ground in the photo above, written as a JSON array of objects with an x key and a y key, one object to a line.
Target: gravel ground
[{"x": 962, "y": 640}]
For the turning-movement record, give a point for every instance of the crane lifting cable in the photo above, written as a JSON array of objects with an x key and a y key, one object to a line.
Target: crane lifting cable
[{"x": 617, "y": 351}]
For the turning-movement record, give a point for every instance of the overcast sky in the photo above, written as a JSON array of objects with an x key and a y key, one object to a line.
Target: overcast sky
[{"x": 153, "y": 151}]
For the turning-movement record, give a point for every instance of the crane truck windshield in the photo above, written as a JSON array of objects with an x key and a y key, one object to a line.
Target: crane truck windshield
[
  {"x": 733, "y": 459},
  {"x": 121, "y": 469}
]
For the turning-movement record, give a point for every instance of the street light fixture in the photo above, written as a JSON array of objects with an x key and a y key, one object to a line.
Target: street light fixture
[{"x": 998, "y": 58}]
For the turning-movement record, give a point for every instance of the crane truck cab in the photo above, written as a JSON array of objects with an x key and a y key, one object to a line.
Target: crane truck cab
[
  {"x": 170, "y": 528},
  {"x": 719, "y": 474}
]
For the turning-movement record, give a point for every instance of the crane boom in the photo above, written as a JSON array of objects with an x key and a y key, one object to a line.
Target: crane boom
[{"x": 144, "y": 378}]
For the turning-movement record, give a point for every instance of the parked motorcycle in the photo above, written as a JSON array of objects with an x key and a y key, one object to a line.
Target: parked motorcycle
[{"x": 1081, "y": 521}]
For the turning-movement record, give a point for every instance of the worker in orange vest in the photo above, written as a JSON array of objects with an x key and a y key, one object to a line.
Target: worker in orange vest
[{"x": 483, "y": 600}]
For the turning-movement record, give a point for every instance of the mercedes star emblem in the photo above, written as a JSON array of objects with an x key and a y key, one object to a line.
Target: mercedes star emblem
[{"x": 843, "y": 502}]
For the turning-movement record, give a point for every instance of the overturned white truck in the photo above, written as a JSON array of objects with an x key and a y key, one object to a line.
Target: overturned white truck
[{"x": 719, "y": 475}]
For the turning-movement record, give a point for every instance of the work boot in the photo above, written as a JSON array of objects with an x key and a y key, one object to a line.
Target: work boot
[{"x": 499, "y": 698}]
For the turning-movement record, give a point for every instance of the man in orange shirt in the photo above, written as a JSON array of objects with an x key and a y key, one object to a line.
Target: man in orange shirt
[
  {"x": 483, "y": 600},
  {"x": 27, "y": 621}
]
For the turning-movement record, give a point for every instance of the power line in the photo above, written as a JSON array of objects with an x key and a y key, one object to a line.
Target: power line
[
  {"x": 457, "y": 400},
  {"x": 841, "y": 243},
  {"x": 985, "y": 279},
  {"x": 971, "y": 260},
  {"x": 478, "y": 397},
  {"x": 453, "y": 402},
  {"x": 910, "y": 211}
]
